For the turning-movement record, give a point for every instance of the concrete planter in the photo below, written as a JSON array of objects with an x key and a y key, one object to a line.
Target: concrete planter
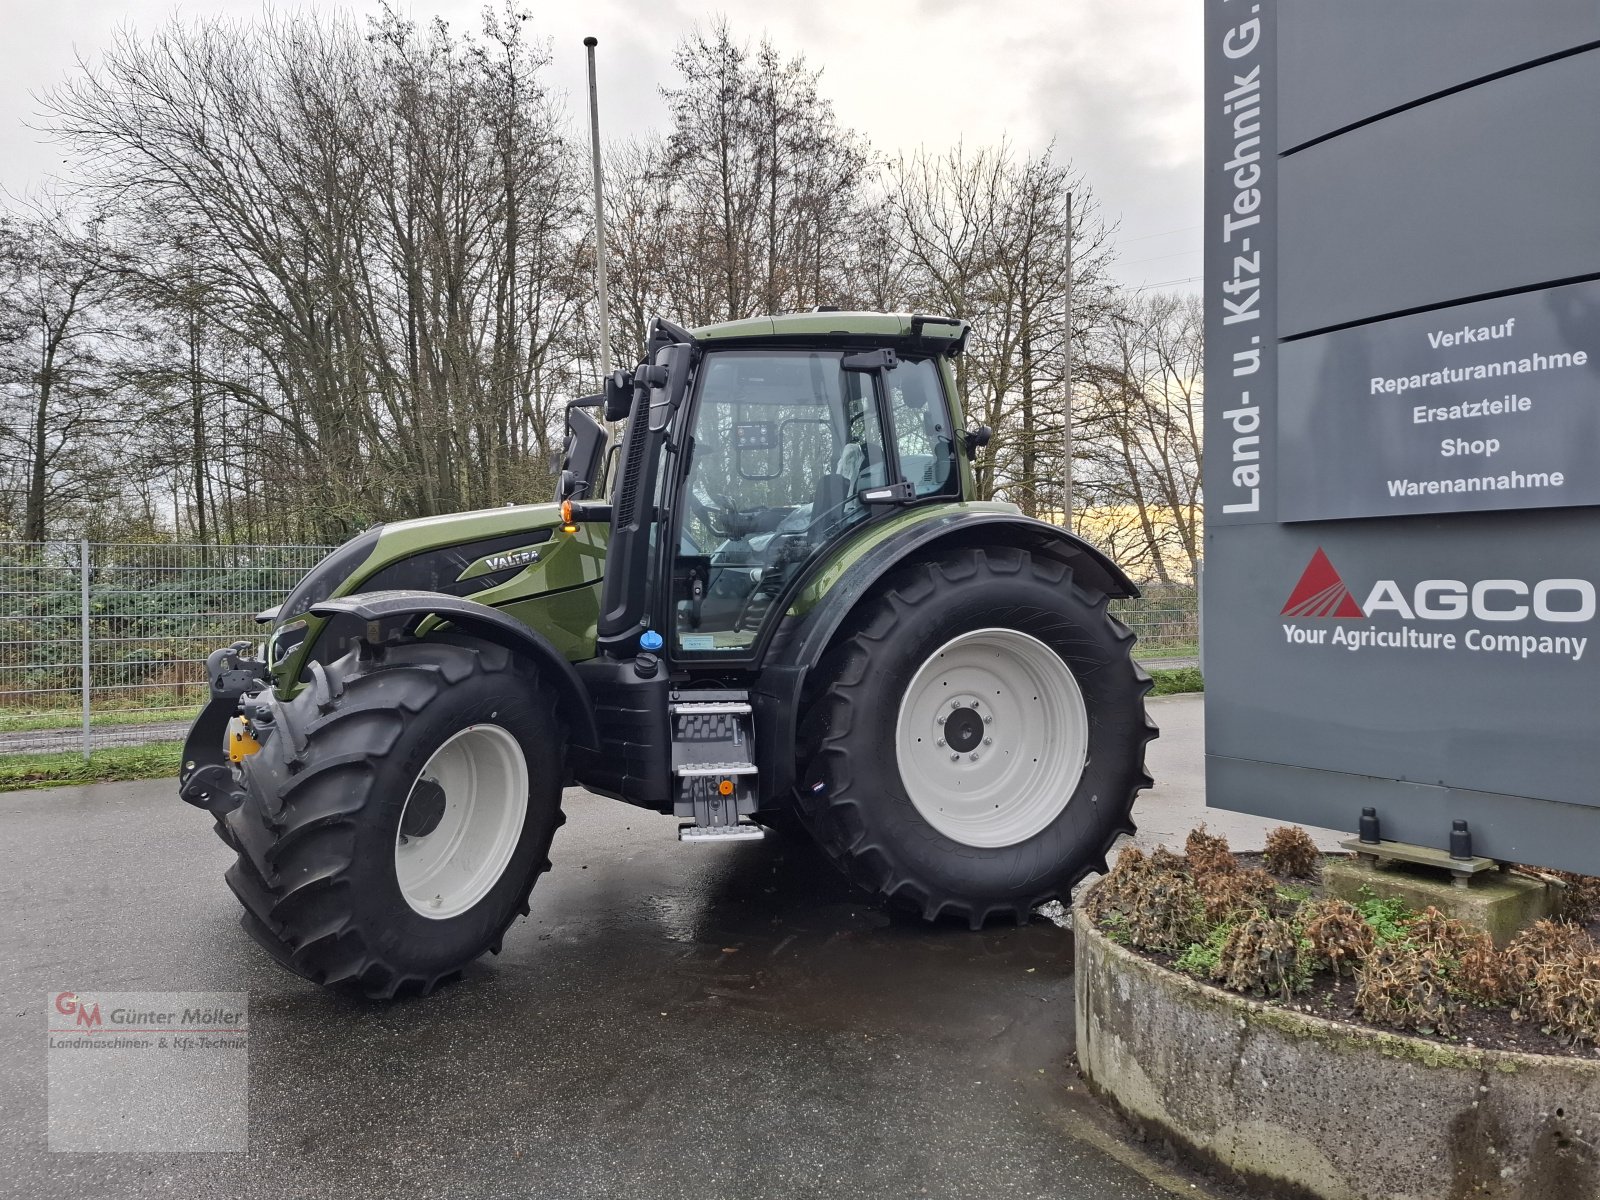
[{"x": 1299, "y": 1106}]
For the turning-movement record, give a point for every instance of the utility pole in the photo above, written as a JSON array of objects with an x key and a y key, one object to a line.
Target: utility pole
[
  {"x": 1066, "y": 383},
  {"x": 599, "y": 218}
]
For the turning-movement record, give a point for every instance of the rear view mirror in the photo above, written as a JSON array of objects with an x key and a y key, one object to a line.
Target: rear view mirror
[
  {"x": 619, "y": 396},
  {"x": 586, "y": 448}
]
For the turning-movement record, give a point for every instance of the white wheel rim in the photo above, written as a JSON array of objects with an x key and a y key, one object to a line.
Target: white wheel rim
[
  {"x": 992, "y": 738},
  {"x": 446, "y": 869}
]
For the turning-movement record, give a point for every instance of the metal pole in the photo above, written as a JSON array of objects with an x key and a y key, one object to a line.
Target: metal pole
[
  {"x": 1066, "y": 372},
  {"x": 83, "y": 622},
  {"x": 599, "y": 218}
]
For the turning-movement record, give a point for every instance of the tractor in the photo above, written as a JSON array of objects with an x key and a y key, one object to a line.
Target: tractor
[{"x": 775, "y": 604}]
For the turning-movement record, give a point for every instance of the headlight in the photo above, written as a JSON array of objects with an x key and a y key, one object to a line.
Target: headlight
[
  {"x": 328, "y": 575},
  {"x": 285, "y": 640}
]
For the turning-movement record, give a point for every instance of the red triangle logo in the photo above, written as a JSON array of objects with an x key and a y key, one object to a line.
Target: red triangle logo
[{"x": 1321, "y": 593}]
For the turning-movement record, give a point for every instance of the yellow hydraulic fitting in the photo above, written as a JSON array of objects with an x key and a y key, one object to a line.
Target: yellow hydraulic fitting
[{"x": 242, "y": 741}]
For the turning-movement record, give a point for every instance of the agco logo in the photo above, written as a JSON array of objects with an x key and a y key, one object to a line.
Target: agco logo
[
  {"x": 70, "y": 1004},
  {"x": 1321, "y": 592}
]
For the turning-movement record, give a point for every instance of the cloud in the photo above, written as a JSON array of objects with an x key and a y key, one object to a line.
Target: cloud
[{"x": 1115, "y": 83}]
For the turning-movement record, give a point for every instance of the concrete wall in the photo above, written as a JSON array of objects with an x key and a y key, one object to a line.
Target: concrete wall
[{"x": 1298, "y": 1106}]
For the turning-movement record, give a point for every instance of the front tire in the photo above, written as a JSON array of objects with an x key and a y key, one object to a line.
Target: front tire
[
  {"x": 396, "y": 819},
  {"x": 977, "y": 739}
]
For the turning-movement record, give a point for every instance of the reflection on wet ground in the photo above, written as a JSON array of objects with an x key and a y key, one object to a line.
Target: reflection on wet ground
[{"x": 672, "y": 1021}]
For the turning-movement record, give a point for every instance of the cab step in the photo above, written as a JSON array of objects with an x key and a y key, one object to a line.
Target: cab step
[
  {"x": 713, "y": 750},
  {"x": 744, "y": 831}
]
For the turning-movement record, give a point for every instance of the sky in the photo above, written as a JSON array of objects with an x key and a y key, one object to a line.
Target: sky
[{"x": 1115, "y": 84}]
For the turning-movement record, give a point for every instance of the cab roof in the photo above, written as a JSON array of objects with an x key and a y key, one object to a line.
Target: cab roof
[{"x": 912, "y": 331}]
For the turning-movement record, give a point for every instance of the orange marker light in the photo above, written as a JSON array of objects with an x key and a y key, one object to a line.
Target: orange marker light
[
  {"x": 726, "y": 787},
  {"x": 568, "y": 525}
]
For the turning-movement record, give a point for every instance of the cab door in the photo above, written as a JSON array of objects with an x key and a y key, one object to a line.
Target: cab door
[{"x": 788, "y": 453}]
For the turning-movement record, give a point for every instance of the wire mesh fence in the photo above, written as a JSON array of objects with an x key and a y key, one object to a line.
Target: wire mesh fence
[
  {"x": 104, "y": 644},
  {"x": 1166, "y": 618}
]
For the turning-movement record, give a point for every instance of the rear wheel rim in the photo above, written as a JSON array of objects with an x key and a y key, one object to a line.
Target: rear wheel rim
[
  {"x": 447, "y": 861},
  {"x": 992, "y": 738}
]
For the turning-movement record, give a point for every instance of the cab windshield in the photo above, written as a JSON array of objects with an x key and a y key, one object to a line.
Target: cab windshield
[{"x": 784, "y": 443}]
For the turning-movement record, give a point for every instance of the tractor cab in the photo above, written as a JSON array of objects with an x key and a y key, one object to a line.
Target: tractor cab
[{"x": 751, "y": 450}]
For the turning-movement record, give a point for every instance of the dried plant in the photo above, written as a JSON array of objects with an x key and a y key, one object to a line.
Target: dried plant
[
  {"x": 1580, "y": 897},
  {"x": 1480, "y": 972},
  {"x": 1208, "y": 854},
  {"x": 1406, "y": 986},
  {"x": 1565, "y": 997},
  {"x": 1228, "y": 893},
  {"x": 1163, "y": 859},
  {"x": 1266, "y": 955},
  {"x": 1166, "y": 914},
  {"x": 1445, "y": 935},
  {"x": 1115, "y": 891},
  {"x": 1338, "y": 933},
  {"x": 1290, "y": 851},
  {"x": 1542, "y": 942}
]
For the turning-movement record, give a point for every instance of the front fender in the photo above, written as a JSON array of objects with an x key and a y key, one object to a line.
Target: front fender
[{"x": 390, "y": 615}]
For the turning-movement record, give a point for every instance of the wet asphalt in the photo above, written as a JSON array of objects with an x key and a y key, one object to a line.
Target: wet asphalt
[{"x": 671, "y": 1021}]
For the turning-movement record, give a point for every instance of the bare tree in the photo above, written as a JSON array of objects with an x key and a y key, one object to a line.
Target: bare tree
[
  {"x": 984, "y": 236},
  {"x": 387, "y": 224},
  {"x": 54, "y": 337},
  {"x": 349, "y": 277},
  {"x": 1145, "y": 417}
]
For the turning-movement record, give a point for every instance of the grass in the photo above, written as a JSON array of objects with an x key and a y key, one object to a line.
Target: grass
[
  {"x": 1387, "y": 917},
  {"x": 1167, "y": 650},
  {"x": 1179, "y": 679},
  {"x": 63, "y": 768},
  {"x": 1201, "y": 958},
  {"x": 73, "y": 719},
  {"x": 1293, "y": 893}
]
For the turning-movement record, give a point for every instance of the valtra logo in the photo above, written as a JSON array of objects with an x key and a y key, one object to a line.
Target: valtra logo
[{"x": 1321, "y": 593}]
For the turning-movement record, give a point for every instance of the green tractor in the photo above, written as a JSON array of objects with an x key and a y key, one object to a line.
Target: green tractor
[{"x": 775, "y": 604}]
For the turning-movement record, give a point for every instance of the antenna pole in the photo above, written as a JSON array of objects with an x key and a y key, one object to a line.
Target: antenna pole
[
  {"x": 1066, "y": 384},
  {"x": 599, "y": 218}
]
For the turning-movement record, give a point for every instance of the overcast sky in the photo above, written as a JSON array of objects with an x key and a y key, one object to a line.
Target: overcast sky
[{"x": 1115, "y": 83}]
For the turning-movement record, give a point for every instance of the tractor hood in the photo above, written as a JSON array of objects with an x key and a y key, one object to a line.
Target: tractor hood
[{"x": 505, "y": 557}]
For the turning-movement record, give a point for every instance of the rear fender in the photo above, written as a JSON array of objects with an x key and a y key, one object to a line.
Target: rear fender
[
  {"x": 777, "y": 694},
  {"x": 391, "y": 615}
]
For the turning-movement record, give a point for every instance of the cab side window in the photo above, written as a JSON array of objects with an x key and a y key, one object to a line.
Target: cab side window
[{"x": 922, "y": 427}]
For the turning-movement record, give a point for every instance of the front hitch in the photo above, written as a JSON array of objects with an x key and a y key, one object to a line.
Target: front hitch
[{"x": 205, "y": 776}]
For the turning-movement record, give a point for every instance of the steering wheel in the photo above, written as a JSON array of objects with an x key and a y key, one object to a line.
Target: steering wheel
[{"x": 719, "y": 512}]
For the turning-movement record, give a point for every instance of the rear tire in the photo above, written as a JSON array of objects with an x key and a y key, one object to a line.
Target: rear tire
[
  {"x": 967, "y": 827},
  {"x": 396, "y": 819}
]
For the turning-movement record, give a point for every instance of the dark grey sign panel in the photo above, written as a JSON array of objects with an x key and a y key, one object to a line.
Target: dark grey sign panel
[
  {"x": 1475, "y": 407},
  {"x": 1427, "y": 649},
  {"x": 1448, "y": 660},
  {"x": 1408, "y": 649},
  {"x": 1350, "y": 59},
  {"x": 1485, "y": 190}
]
